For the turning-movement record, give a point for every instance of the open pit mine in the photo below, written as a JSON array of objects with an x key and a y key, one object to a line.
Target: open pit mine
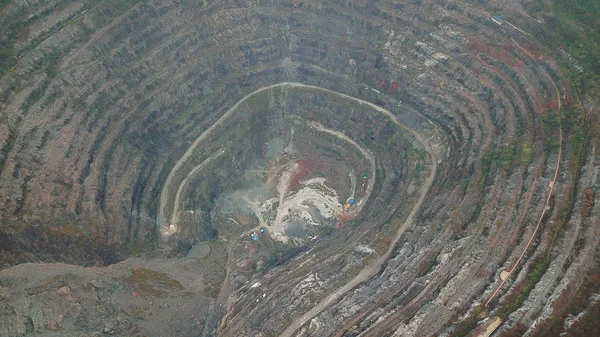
[{"x": 297, "y": 168}]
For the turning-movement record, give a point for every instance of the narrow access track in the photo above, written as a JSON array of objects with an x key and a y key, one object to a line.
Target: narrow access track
[
  {"x": 212, "y": 321},
  {"x": 355, "y": 210},
  {"x": 551, "y": 185},
  {"x": 170, "y": 227},
  {"x": 361, "y": 203},
  {"x": 175, "y": 214},
  {"x": 375, "y": 266},
  {"x": 370, "y": 270},
  {"x": 161, "y": 219}
]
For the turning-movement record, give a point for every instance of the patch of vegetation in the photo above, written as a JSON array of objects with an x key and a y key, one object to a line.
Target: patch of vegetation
[
  {"x": 572, "y": 302},
  {"x": 525, "y": 153},
  {"x": 13, "y": 27},
  {"x": 66, "y": 228},
  {"x": 184, "y": 113},
  {"x": 516, "y": 331},
  {"x": 151, "y": 282},
  {"x": 551, "y": 124},
  {"x": 395, "y": 138},
  {"x": 213, "y": 289},
  {"x": 587, "y": 202},
  {"x": 564, "y": 214},
  {"x": 576, "y": 133},
  {"x": 51, "y": 283},
  {"x": 4, "y": 3},
  {"x": 589, "y": 323},
  {"x": 419, "y": 167},
  {"x": 500, "y": 158},
  {"x": 575, "y": 25},
  {"x": 106, "y": 11},
  {"x": 550, "y": 121},
  {"x": 139, "y": 312},
  {"x": 6, "y": 282},
  {"x": 10, "y": 33},
  {"x": 282, "y": 253},
  {"x": 516, "y": 299},
  {"x": 466, "y": 326},
  {"x": 18, "y": 20}
]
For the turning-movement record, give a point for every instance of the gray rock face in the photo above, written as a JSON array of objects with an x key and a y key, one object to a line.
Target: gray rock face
[
  {"x": 63, "y": 304},
  {"x": 146, "y": 145},
  {"x": 136, "y": 297}
]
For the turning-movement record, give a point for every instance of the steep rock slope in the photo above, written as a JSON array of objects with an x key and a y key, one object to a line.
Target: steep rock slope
[{"x": 100, "y": 99}]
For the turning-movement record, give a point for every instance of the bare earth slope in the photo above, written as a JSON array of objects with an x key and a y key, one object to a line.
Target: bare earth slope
[{"x": 296, "y": 168}]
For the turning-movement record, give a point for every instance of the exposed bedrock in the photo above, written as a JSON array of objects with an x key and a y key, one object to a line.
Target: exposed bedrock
[{"x": 358, "y": 168}]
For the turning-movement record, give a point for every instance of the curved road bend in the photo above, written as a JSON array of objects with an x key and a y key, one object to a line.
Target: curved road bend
[
  {"x": 161, "y": 220},
  {"x": 551, "y": 185},
  {"x": 175, "y": 215},
  {"x": 361, "y": 203},
  {"x": 375, "y": 266}
]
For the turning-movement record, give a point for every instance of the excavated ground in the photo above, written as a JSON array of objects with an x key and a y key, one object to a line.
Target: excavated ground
[{"x": 182, "y": 168}]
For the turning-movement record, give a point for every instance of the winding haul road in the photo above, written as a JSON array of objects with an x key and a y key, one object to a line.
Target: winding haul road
[
  {"x": 372, "y": 176},
  {"x": 375, "y": 266},
  {"x": 175, "y": 215},
  {"x": 551, "y": 184},
  {"x": 366, "y": 273},
  {"x": 170, "y": 227}
]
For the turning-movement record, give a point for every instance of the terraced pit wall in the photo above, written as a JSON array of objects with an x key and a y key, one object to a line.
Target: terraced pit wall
[{"x": 99, "y": 100}]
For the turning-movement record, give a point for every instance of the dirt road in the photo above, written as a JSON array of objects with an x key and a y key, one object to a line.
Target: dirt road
[
  {"x": 212, "y": 321},
  {"x": 175, "y": 215},
  {"x": 161, "y": 221},
  {"x": 360, "y": 204},
  {"x": 551, "y": 185},
  {"x": 370, "y": 270},
  {"x": 375, "y": 266}
]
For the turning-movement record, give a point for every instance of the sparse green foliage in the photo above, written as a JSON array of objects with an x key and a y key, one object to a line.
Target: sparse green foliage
[
  {"x": 4, "y": 3},
  {"x": 10, "y": 32},
  {"x": 150, "y": 282},
  {"x": 519, "y": 295},
  {"x": 419, "y": 167},
  {"x": 575, "y": 24},
  {"x": 280, "y": 254},
  {"x": 51, "y": 283},
  {"x": 466, "y": 326},
  {"x": 212, "y": 290},
  {"x": 550, "y": 121},
  {"x": 500, "y": 158}
]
